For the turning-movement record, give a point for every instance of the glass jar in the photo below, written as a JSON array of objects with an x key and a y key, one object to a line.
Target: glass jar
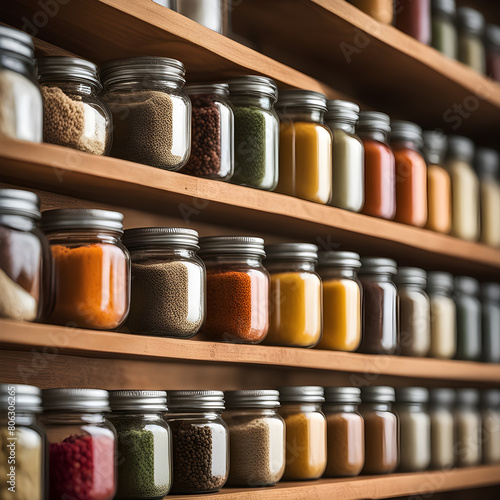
[
  {"x": 444, "y": 31},
  {"x": 465, "y": 188},
  {"x": 380, "y": 165},
  {"x": 82, "y": 444},
  {"x": 380, "y": 326},
  {"x": 208, "y": 13},
  {"x": 22, "y": 443},
  {"x": 305, "y": 432},
  {"x": 443, "y": 315},
  {"x": 21, "y": 105},
  {"x": 91, "y": 268},
  {"x": 345, "y": 432},
  {"x": 468, "y": 319},
  {"x": 414, "y": 312},
  {"x": 295, "y": 299},
  {"x": 414, "y": 429},
  {"x": 348, "y": 156},
  {"x": 438, "y": 183},
  {"x": 212, "y": 131},
  {"x": 144, "y": 444},
  {"x": 492, "y": 37},
  {"x": 25, "y": 263},
  {"x": 342, "y": 298},
  {"x": 237, "y": 289},
  {"x": 168, "y": 282},
  {"x": 381, "y": 10},
  {"x": 442, "y": 428},
  {"x": 471, "y": 51},
  {"x": 200, "y": 441},
  {"x": 411, "y": 174},
  {"x": 256, "y": 132},
  {"x": 151, "y": 112},
  {"x": 490, "y": 413},
  {"x": 468, "y": 428},
  {"x": 305, "y": 151},
  {"x": 490, "y": 321},
  {"x": 381, "y": 430},
  {"x": 414, "y": 18},
  {"x": 73, "y": 113},
  {"x": 257, "y": 433}
]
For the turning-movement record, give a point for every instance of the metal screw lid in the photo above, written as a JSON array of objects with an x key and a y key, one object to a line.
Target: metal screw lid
[
  {"x": 342, "y": 111},
  {"x": 233, "y": 245},
  {"x": 146, "y": 237},
  {"x": 378, "y": 265},
  {"x": 490, "y": 291},
  {"x": 470, "y": 20},
  {"x": 302, "y": 394},
  {"x": 17, "y": 43},
  {"x": 412, "y": 395},
  {"x": 89, "y": 400},
  {"x": 331, "y": 258},
  {"x": 154, "y": 401},
  {"x": 195, "y": 400},
  {"x": 27, "y": 398},
  {"x": 406, "y": 131},
  {"x": 207, "y": 88},
  {"x": 253, "y": 84},
  {"x": 466, "y": 285},
  {"x": 467, "y": 397},
  {"x": 487, "y": 163},
  {"x": 252, "y": 399},
  {"x": 378, "y": 394},
  {"x": 292, "y": 251},
  {"x": 301, "y": 99},
  {"x": 442, "y": 397},
  {"x": 434, "y": 146},
  {"x": 19, "y": 202},
  {"x": 490, "y": 398},
  {"x": 460, "y": 148},
  {"x": 411, "y": 276},
  {"x": 437, "y": 280},
  {"x": 375, "y": 121},
  {"x": 73, "y": 69},
  {"x": 448, "y": 7},
  {"x": 82, "y": 218},
  {"x": 348, "y": 395},
  {"x": 492, "y": 35}
]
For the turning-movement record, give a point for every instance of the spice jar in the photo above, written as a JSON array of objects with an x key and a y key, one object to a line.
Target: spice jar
[
  {"x": 200, "y": 440},
  {"x": 237, "y": 289},
  {"x": 415, "y": 429},
  {"x": 468, "y": 428},
  {"x": 144, "y": 443},
  {"x": 208, "y": 13},
  {"x": 471, "y": 49},
  {"x": 305, "y": 432},
  {"x": 414, "y": 18},
  {"x": 492, "y": 40},
  {"x": 444, "y": 31},
  {"x": 342, "y": 296},
  {"x": 91, "y": 268},
  {"x": 380, "y": 165},
  {"x": 490, "y": 321},
  {"x": 295, "y": 300},
  {"x": 380, "y": 326},
  {"x": 168, "y": 282},
  {"x": 381, "y": 430},
  {"x": 82, "y": 444},
  {"x": 442, "y": 428},
  {"x": 151, "y": 112},
  {"x": 305, "y": 146},
  {"x": 73, "y": 113},
  {"x": 411, "y": 174},
  {"x": 414, "y": 312},
  {"x": 256, "y": 132},
  {"x": 490, "y": 417},
  {"x": 468, "y": 319},
  {"x": 381, "y": 10},
  {"x": 22, "y": 443},
  {"x": 345, "y": 431},
  {"x": 257, "y": 434},
  {"x": 438, "y": 183},
  {"x": 25, "y": 264},
  {"x": 348, "y": 156},
  {"x": 443, "y": 315},
  {"x": 21, "y": 106}
]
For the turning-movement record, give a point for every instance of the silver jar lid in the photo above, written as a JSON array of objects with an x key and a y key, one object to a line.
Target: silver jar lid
[
  {"x": 435, "y": 143},
  {"x": 252, "y": 399},
  {"x": 470, "y": 20},
  {"x": 438, "y": 280},
  {"x": 292, "y": 251},
  {"x": 302, "y": 394},
  {"x": 146, "y": 237},
  {"x": 339, "y": 395},
  {"x": 88, "y": 400},
  {"x": 221, "y": 89},
  {"x": 490, "y": 291},
  {"x": 411, "y": 276},
  {"x": 342, "y": 111},
  {"x": 378, "y": 265},
  {"x": 19, "y": 202},
  {"x": 154, "y": 401},
  {"x": 467, "y": 397},
  {"x": 406, "y": 131},
  {"x": 294, "y": 98},
  {"x": 441, "y": 396},
  {"x": 490, "y": 398},
  {"x": 466, "y": 285},
  {"x": 195, "y": 400},
  {"x": 18, "y": 43},
  {"x": 448, "y": 7},
  {"x": 82, "y": 218},
  {"x": 378, "y": 394},
  {"x": 375, "y": 121},
  {"x": 233, "y": 245},
  {"x": 331, "y": 258},
  {"x": 461, "y": 148},
  {"x": 26, "y": 398},
  {"x": 71, "y": 69},
  {"x": 253, "y": 84},
  {"x": 487, "y": 163},
  {"x": 419, "y": 395}
]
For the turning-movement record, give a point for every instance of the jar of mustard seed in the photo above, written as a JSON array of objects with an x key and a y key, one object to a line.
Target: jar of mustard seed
[
  {"x": 442, "y": 428},
  {"x": 444, "y": 30},
  {"x": 468, "y": 428},
  {"x": 471, "y": 49}
]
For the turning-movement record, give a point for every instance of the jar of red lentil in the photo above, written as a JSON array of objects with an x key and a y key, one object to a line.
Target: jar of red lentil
[{"x": 237, "y": 289}]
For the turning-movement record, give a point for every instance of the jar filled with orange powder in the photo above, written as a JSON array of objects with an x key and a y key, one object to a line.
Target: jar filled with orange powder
[{"x": 91, "y": 268}]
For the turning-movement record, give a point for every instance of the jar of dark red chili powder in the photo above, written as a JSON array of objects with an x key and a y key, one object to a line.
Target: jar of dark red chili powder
[
  {"x": 237, "y": 289},
  {"x": 81, "y": 442}
]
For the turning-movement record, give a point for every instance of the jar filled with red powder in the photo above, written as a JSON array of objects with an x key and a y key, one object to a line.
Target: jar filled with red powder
[
  {"x": 82, "y": 444},
  {"x": 237, "y": 289}
]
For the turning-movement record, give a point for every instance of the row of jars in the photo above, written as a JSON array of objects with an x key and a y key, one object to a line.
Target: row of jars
[{"x": 127, "y": 444}]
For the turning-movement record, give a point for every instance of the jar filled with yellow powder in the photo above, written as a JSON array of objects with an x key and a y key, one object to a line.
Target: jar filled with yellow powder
[
  {"x": 295, "y": 302},
  {"x": 305, "y": 432}
]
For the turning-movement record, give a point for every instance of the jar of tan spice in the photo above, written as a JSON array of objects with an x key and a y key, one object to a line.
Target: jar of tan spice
[
  {"x": 345, "y": 431},
  {"x": 442, "y": 428}
]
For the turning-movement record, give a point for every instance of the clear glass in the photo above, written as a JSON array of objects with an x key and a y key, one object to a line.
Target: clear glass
[
  {"x": 168, "y": 292},
  {"x": 490, "y": 418},
  {"x": 91, "y": 279},
  {"x": 443, "y": 325},
  {"x": 346, "y": 440},
  {"x": 444, "y": 34},
  {"x": 442, "y": 437},
  {"x": 490, "y": 324},
  {"x": 469, "y": 346},
  {"x": 468, "y": 439},
  {"x": 490, "y": 210},
  {"x": 257, "y": 449},
  {"x": 82, "y": 456},
  {"x": 256, "y": 142},
  {"x": 295, "y": 304},
  {"x": 75, "y": 116},
  {"x": 305, "y": 155},
  {"x": 144, "y": 455},
  {"x": 414, "y": 18},
  {"x": 381, "y": 10},
  {"x": 471, "y": 51},
  {"x": 342, "y": 299},
  {"x": 200, "y": 443},
  {"x": 237, "y": 299},
  {"x": 151, "y": 122},
  {"x": 438, "y": 199}
]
